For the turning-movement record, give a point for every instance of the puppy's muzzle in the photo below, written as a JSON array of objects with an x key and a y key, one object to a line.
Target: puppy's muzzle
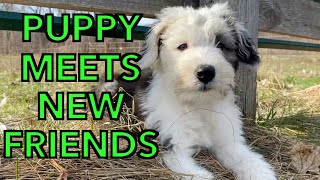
[{"x": 205, "y": 73}]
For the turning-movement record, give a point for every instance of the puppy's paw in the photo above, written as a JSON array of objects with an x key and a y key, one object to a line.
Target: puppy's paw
[
  {"x": 255, "y": 176},
  {"x": 186, "y": 167},
  {"x": 111, "y": 87},
  {"x": 262, "y": 172},
  {"x": 205, "y": 175}
]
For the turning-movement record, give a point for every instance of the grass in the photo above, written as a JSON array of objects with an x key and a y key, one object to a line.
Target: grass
[
  {"x": 20, "y": 110},
  {"x": 21, "y": 106},
  {"x": 289, "y": 95},
  {"x": 288, "y": 110}
]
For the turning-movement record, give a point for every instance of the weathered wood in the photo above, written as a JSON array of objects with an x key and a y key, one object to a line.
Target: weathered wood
[
  {"x": 294, "y": 17},
  {"x": 12, "y": 21},
  {"x": 247, "y": 12},
  {"x": 147, "y": 7},
  {"x": 246, "y": 89}
]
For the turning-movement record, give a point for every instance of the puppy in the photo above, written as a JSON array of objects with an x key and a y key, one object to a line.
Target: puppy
[{"x": 186, "y": 90}]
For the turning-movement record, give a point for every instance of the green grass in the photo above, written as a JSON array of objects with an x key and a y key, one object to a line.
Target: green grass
[
  {"x": 20, "y": 110},
  {"x": 21, "y": 106},
  {"x": 285, "y": 104},
  {"x": 302, "y": 83}
]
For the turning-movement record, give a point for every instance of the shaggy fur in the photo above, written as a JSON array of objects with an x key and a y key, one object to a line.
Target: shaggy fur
[{"x": 187, "y": 113}]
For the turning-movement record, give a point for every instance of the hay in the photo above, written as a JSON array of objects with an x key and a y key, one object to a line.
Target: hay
[{"x": 271, "y": 143}]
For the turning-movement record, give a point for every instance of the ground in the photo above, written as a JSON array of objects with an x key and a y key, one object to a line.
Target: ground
[
  {"x": 289, "y": 94},
  {"x": 288, "y": 112}
]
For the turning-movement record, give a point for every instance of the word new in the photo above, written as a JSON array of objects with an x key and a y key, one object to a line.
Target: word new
[{"x": 76, "y": 105}]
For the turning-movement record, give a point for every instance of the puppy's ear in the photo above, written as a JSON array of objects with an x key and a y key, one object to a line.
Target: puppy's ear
[
  {"x": 246, "y": 50},
  {"x": 151, "y": 51}
]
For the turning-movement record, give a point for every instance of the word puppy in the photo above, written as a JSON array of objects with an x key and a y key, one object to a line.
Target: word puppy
[{"x": 186, "y": 90}]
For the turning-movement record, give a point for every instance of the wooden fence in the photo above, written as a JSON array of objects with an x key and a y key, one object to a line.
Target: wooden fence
[{"x": 295, "y": 17}]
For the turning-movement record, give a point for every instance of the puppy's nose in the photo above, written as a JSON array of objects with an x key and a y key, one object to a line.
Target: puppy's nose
[{"x": 205, "y": 73}]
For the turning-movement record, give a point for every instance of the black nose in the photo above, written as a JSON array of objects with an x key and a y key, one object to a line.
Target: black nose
[{"x": 205, "y": 73}]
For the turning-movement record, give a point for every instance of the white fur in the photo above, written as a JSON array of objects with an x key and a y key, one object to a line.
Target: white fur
[{"x": 190, "y": 117}]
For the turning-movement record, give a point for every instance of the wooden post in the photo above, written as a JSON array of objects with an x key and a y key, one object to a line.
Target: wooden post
[{"x": 246, "y": 86}]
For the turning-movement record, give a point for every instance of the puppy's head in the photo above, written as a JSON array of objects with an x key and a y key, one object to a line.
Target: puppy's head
[{"x": 198, "y": 50}]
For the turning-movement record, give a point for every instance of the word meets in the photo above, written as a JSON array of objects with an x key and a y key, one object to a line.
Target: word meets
[
  {"x": 101, "y": 25},
  {"x": 34, "y": 141},
  {"x": 86, "y": 64}
]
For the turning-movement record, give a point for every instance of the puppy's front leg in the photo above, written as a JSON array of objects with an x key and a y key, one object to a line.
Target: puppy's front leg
[
  {"x": 246, "y": 164},
  {"x": 179, "y": 159}
]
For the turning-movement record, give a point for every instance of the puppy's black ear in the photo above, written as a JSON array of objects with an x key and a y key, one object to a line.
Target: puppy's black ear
[{"x": 246, "y": 50}]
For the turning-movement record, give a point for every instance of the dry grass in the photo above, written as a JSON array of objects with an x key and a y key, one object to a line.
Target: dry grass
[
  {"x": 279, "y": 101},
  {"x": 273, "y": 145}
]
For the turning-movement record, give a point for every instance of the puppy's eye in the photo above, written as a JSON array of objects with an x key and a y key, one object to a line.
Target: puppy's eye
[
  {"x": 183, "y": 47},
  {"x": 220, "y": 46}
]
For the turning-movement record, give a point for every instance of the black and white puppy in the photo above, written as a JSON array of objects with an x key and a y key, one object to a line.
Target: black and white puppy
[{"x": 186, "y": 90}]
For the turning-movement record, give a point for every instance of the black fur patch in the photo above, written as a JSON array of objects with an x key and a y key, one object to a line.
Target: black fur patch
[
  {"x": 246, "y": 51},
  {"x": 227, "y": 43}
]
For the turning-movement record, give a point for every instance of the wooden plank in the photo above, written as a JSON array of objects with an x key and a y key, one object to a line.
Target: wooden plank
[
  {"x": 13, "y": 21},
  {"x": 147, "y": 7},
  {"x": 289, "y": 45},
  {"x": 295, "y": 17},
  {"x": 246, "y": 78}
]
